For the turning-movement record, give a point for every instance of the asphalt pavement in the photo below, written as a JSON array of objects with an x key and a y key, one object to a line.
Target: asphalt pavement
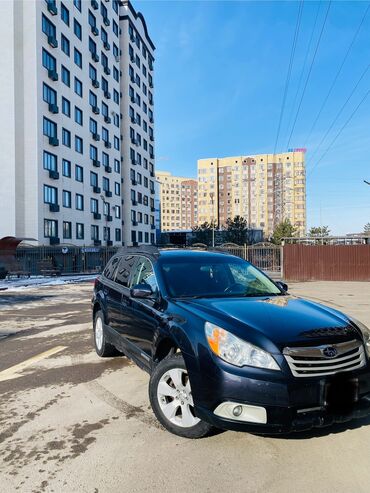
[{"x": 72, "y": 422}]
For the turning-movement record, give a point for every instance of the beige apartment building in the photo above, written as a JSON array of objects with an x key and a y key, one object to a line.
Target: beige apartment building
[
  {"x": 179, "y": 201},
  {"x": 264, "y": 188}
]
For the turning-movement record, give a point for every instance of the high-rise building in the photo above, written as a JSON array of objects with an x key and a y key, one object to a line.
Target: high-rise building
[
  {"x": 264, "y": 189},
  {"x": 64, "y": 102},
  {"x": 137, "y": 109},
  {"x": 178, "y": 201}
]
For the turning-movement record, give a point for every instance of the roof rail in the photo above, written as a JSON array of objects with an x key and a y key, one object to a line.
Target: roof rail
[{"x": 145, "y": 249}]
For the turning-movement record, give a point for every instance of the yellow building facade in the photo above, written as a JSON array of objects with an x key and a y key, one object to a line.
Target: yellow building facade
[
  {"x": 263, "y": 188},
  {"x": 179, "y": 201}
]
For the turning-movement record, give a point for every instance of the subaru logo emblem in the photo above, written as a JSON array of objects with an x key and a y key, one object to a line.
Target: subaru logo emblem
[{"x": 330, "y": 352}]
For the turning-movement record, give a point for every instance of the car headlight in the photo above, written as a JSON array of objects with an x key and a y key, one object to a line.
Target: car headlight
[
  {"x": 365, "y": 332},
  {"x": 235, "y": 351}
]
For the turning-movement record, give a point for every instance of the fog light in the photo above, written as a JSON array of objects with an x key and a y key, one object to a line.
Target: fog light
[
  {"x": 241, "y": 412},
  {"x": 237, "y": 411}
]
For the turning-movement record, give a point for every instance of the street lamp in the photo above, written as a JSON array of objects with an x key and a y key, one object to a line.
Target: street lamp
[{"x": 213, "y": 219}]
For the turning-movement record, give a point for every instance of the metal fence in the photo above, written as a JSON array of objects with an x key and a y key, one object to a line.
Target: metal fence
[{"x": 265, "y": 256}]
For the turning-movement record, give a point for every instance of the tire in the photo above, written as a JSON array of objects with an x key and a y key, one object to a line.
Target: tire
[
  {"x": 171, "y": 399},
  {"x": 102, "y": 347}
]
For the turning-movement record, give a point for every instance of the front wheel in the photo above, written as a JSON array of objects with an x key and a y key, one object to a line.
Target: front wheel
[{"x": 172, "y": 401}]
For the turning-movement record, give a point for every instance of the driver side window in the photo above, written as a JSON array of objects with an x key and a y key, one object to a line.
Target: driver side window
[{"x": 143, "y": 274}]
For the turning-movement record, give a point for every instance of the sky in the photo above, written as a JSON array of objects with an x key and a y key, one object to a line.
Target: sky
[{"x": 221, "y": 71}]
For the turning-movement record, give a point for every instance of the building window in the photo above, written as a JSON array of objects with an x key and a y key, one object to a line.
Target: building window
[
  {"x": 106, "y": 233},
  {"x": 117, "y": 166},
  {"x": 79, "y": 145},
  {"x": 67, "y": 201},
  {"x": 64, "y": 44},
  {"x": 104, "y": 109},
  {"x": 93, "y": 180},
  {"x": 79, "y": 231},
  {"x": 115, "y": 50},
  {"x": 93, "y": 153},
  {"x": 66, "y": 137},
  {"x": 77, "y": 29},
  {"x": 78, "y": 58},
  {"x": 77, "y": 4},
  {"x": 93, "y": 99},
  {"x": 140, "y": 237},
  {"x": 64, "y": 14},
  {"x": 48, "y": 61},
  {"x": 92, "y": 72},
  {"x": 117, "y": 188},
  {"x": 79, "y": 173},
  {"x": 50, "y": 161},
  {"x": 94, "y": 206},
  {"x": 116, "y": 74},
  {"x": 49, "y": 95},
  {"x": 50, "y": 228},
  {"x": 66, "y": 168},
  {"x": 49, "y": 128},
  {"x": 66, "y": 76},
  {"x": 78, "y": 116},
  {"x": 92, "y": 19},
  {"x": 105, "y": 184},
  {"x": 78, "y": 87},
  {"x": 115, "y": 96},
  {"x": 66, "y": 107},
  {"x": 117, "y": 212},
  {"x": 115, "y": 28},
  {"x": 105, "y": 159},
  {"x": 48, "y": 27},
  {"x": 50, "y": 195},
  {"x": 79, "y": 202},
  {"x": 116, "y": 143},
  {"x": 94, "y": 232},
  {"x": 118, "y": 234},
  {"x": 67, "y": 230}
]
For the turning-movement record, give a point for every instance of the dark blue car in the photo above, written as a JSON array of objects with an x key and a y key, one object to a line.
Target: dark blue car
[{"x": 227, "y": 347}]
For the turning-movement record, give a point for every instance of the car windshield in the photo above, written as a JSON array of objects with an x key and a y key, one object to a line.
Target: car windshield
[{"x": 215, "y": 277}]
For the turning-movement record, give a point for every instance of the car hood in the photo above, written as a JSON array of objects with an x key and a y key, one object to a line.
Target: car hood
[{"x": 282, "y": 320}]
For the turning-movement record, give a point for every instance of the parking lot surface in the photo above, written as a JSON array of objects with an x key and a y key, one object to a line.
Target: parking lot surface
[{"x": 70, "y": 421}]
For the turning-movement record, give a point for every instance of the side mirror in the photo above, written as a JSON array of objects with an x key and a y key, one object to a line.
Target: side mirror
[
  {"x": 141, "y": 291},
  {"x": 282, "y": 285}
]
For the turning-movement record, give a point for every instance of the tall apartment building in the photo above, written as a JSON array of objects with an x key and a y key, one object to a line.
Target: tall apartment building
[
  {"x": 137, "y": 128},
  {"x": 64, "y": 111},
  {"x": 178, "y": 201},
  {"x": 264, "y": 188}
]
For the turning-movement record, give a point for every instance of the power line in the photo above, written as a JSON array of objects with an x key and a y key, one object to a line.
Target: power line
[
  {"x": 287, "y": 81},
  {"x": 304, "y": 64},
  {"x": 339, "y": 132},
  {"x": 341, "y": 110},
  {"x": 338, "y": 72},
  {"x": 309, "y": 72}
]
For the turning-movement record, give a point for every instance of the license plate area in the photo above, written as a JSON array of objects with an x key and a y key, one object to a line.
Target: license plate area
[{"x": 341, "y": 395}]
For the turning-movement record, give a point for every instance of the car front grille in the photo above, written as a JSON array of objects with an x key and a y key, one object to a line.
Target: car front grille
[{"x": 315, "y": 362}]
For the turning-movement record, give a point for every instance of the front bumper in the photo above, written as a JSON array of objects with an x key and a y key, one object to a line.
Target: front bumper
[{"x": 291, "y": 403}]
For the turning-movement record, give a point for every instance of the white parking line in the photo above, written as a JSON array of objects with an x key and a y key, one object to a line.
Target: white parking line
[{"x": 13, "y": 371}]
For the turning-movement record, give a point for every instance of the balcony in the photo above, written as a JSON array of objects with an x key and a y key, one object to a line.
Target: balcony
[
  {"x": 53, "y": 141},
  {"x": 54, "y": 207},
  {"x": 107, "y": 94},
  {"x": 152, "y": 209},
  {"x": 133, "y": 202},
  {"x": 95, "y": 110},
  {"x": 97, "y": 242},
  {"x": 133, "y": 162},
  {"x": 95, "y": 56},
  {"x": 106, "y": 21},
  {"x": 53, "y": 108},
  {"x": 151, "y": 155},
  {"x": 133, "y": 99},
  {"x": 96, "y": 163},
  {"x": 52, "y": 74},
  {"x": 54, "y": 240},
  {"x": 151, "y": 137},
  {"x": 96, "y": 189},
  {"x": 133, "y": 183},
  {"x": 107, "y": 119},
  {"x": 108, "y": 193},
  {"x": 52, "y": 8},
  {"x": 95, "y": 83},
  {"x": 152, "y": 191},
  {"x": 108, "y": 169},
  {"x": 95, "y": 30},
  {"x": 132, "y": 58},
  {"x": 53, "y": 174},
  {"x": 135, "y": 223},
  {"x": 151, "y": 119},
  {"x": 152, "y": 174},
  {"x": 132, "y": 79},
  {"x": 133, "y": 141},
  {"x": 109, "y": 243},
  {"x": 106, "y": 45},
  {"x": 107, "y": 144},
  {"x": 133, "y": 38},
  {"x": 52, "y": 41},
  {"x": 96, "y": 137},
  {"x": 151, "y": 84},
  {"x": 109, "y": 219},
  {"x": 133, "y": 119},
  {"x": 96, "y": 215},
  {"x": 107, "y": 70},
  {"x": 152, "y": 226},
  {"x": 94, "y": 4}
]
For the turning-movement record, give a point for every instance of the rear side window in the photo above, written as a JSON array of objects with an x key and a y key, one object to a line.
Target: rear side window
[
  {"x": 111, "y": 268},
  {"x": 124, "y": 269}
]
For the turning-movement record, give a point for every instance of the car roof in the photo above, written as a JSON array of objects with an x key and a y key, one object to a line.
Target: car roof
[{"x": 155, "y": 253}]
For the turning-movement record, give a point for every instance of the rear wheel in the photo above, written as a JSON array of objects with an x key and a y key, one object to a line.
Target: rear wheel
[
  {"x": 172, "y": 401},
  {"x": 102, "y": 347}
]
